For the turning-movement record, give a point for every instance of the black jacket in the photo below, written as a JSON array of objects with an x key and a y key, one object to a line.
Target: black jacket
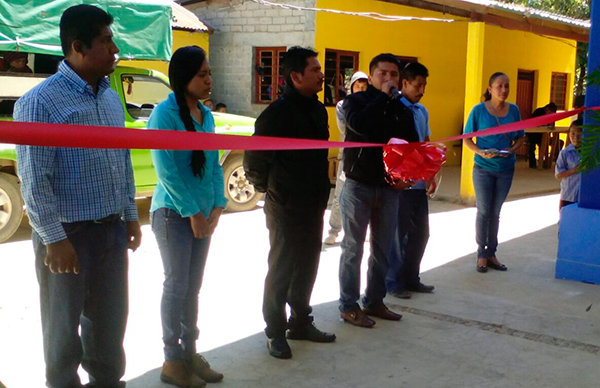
[
  {"x": 373, "y": 117},
  {"x": 292, "y": 180}
]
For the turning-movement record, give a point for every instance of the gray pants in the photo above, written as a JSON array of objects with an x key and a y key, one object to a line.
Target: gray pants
[
  {"x": 95, "y": 299},
  {"x": 335, "y": 219}
]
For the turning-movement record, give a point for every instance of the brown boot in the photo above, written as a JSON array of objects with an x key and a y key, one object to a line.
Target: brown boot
[
  {"x": 198, "y": 365},
  {"x": 177, "y": 373}
]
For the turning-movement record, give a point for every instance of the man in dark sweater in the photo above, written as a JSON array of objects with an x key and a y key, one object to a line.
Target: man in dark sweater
[
  {"x": 297, "y": 188},
  {"x": 536, "y": 138},
  {"x": 375, "y": 116}
]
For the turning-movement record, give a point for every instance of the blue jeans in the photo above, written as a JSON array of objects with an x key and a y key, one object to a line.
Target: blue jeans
[
  {"x": 410, "y": 241},
  {"x": 360, "y": 206},
  {"x": 184, "y": 258},
  {"x": 491, "y": 190},
  {"x": 94, "y": 300}
]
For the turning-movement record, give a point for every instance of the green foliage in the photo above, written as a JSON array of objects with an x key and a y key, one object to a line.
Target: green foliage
[
  {"x": 590, "y": 145},
  {"x": 594, "y": 78}
]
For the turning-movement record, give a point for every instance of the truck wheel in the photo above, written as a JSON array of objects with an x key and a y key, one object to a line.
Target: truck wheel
[
  {"x": 239, "y": 192},
  {"x": 11, "y": 206}
]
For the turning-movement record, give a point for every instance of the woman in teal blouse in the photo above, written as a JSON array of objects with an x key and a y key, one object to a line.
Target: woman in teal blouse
[
  {"x": 185, "y": 211},
  {"x": 494, "y": 165}
]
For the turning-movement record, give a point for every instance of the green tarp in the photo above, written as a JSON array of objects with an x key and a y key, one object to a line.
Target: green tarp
[{"x": 142, "y": 28}]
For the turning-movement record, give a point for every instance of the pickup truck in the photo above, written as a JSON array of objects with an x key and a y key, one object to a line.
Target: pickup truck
[{"x": 139, "y": 90}]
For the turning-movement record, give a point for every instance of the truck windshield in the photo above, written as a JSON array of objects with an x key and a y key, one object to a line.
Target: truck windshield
[{"x": 142, "y": 93}]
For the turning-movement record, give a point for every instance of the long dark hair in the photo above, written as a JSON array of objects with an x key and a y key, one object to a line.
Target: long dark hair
[
  {"x": 185, "y": 64},
  {"x": 487, "y": 95}
]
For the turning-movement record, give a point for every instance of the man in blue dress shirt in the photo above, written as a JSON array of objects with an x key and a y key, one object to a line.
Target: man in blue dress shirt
[
  {"x": 413, "y": 218},
  {"x": 82, "y": 209}
]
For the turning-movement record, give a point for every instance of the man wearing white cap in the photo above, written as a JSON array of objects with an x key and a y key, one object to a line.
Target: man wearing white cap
[{"x": 358, "y": 83}]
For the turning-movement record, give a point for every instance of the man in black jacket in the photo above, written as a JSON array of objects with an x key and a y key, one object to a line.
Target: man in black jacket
[
  {"x": 297, "y": 188},
  {"x": 375, "y": 116}
]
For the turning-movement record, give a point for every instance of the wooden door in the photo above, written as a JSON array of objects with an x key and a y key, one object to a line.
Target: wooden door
[
  {"x": 525, "y": 93},
  {"x": 525, "y": 85}
]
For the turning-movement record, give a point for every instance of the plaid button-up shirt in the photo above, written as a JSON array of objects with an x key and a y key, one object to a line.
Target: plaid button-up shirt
[{"x": 73, "y": 184}]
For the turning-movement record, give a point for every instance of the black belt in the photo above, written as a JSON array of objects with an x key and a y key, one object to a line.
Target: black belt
[{"x": 107, "y": 220}]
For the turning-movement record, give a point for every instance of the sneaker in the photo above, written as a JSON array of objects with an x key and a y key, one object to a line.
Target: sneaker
[
  {"x": 310, "y": 333},
  {"x": 198, "y": 365},
  {"x": 330, "y": 240},
  {"x": 401, "y": 293},
  {"x": 279, "y": 348},
  {"x": 177, "y": 373}
]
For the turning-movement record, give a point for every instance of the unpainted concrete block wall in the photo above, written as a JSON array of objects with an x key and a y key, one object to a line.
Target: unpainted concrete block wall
[{"x": 240, "y": 26}]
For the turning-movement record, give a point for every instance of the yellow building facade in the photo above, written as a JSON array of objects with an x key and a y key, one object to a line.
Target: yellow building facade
[{"x": 460, "y": 56}]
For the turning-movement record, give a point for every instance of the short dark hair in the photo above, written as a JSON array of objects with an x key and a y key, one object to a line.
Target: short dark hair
[
  {"x": 84, "y": 23},
  {"x": 220, "y": 105},
  {"x": 551, "y": 107},
  {"x": 578, "y": 122},
  {"x": 387, "y": 57},
  {"x": 413, "y": 70},
  {"x": 296, "y": 60}
]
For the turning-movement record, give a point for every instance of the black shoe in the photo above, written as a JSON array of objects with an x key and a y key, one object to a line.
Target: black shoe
[
  {"x": 310, "y": 333},
  {"x": 401, "y": 293},
  {"x": 279, "y": 348},
  {"x": 497, "y": 267},
  {"x": 422, "y": 288}
]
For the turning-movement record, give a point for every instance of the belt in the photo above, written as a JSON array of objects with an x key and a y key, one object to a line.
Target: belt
[{"x": 107, "y": 220}]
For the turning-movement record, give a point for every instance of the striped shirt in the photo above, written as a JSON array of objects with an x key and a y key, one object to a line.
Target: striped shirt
[
  {"x": 568, "y": 159},
  {"x": 61, "y": 185}
]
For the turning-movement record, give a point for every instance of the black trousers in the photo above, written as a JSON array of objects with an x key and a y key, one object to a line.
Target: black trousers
[
  {"x": 295, "y": 238},
  {"x": 413, "y": 234},
  {"x": 533, "y": 139}
]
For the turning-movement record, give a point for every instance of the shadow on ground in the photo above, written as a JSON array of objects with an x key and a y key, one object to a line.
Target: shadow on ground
[{"x": 521, "y": 328}]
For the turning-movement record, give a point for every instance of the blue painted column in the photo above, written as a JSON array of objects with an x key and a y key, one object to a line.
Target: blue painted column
[{"x": 579, "y": 236}]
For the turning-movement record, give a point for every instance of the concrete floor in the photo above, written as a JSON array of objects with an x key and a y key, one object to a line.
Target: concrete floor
[{"x": 521, "y": 328}]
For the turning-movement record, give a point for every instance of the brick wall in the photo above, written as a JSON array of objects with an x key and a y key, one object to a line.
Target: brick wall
[{"x": 241, "y": 25}]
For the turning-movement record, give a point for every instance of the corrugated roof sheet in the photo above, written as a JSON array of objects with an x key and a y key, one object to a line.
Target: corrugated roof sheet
[
  {"x": 186, "y": 20},
  {"x": 531, "y": 12}
]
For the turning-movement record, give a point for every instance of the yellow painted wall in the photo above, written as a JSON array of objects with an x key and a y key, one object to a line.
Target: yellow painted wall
[
  {"x": 180, "y": 39},
  {"x": 441, "y": 47},
  {"x": 508, "y": 51}
]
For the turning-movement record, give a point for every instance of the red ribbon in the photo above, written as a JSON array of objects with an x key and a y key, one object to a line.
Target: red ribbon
[{"x": 64, "y": 135}]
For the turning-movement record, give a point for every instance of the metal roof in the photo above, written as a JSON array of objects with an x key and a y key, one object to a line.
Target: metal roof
[
  {"x": 187, "y": 20},
  {"x": 531, "y": 12}
]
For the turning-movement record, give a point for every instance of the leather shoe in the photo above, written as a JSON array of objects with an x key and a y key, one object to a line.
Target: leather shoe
[
  {"x": 497, "y": 267},
  {"x": 383, "y": 312},
  {"x": 177, "y": 373},
  {"x": 279, "y": 348},
  {"x": 401, "y": 293},
  {"x": 357, "y": 318},
  {"x": 198, "y": 365},
  {"x": 310, "y": 333},
  {"x": 422, "y": 288}
]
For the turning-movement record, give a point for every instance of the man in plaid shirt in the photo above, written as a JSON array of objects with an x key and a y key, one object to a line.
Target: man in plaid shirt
[{"x": 81, "y": 206}]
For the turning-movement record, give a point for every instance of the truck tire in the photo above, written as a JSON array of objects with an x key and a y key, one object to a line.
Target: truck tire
[
  {"x": 11, "y": 206},
  {"x": 240, "y": 193}
]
